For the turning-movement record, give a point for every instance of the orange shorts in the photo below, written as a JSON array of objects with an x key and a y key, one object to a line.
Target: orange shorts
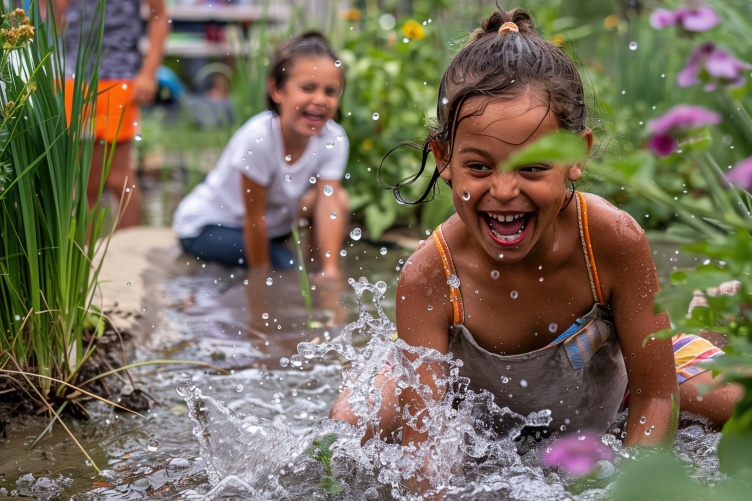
[{"x": 113, "y": 101}]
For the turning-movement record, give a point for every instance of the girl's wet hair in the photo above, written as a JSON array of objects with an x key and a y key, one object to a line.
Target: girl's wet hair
[
  {"x": 502, "y": 66},
  {"x": 308, "y": 44}
]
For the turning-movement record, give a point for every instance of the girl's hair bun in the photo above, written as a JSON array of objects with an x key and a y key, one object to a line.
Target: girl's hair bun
[{"x": 490, "y": 26}]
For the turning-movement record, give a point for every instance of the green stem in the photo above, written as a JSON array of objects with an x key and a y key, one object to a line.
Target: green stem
[{"x": 305, "y": 287}]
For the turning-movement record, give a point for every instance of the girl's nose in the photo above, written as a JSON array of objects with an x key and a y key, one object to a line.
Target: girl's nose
[{"x": 504, "y": 185}]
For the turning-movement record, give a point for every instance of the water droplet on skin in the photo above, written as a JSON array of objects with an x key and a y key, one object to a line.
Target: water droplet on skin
[
  {"x": 153, "y": 445},
  {"x": 333, "y": 215},
  {"x": 288, "y": 177},
  {"x": 337, "y": 63},
  {"x": 328, "y": 190},
  {"x": 375, "y": 116},
  {"x": 138, "y": 136},
  {"x": 540, "y": 279},
  {"x": 453, "y": 281},
  {"x": 245, "y": 282},
  {"x": 552, "y": 327},
  {"x": 329, "y": 145},
  {"x": 643, "y": 420},
  {"x": 265, "y": 316},
  {"x": 495, "y": 274},
  {"x": 430, "y": 307},
  {"x": 128, "y": 284},
  {"x": 465, "y": 195},
  {"x": 328, "y": 254},
  {"x": 288, "y": 157},
  {"x": 269, "y": 281},
  {"x": 514, "y": 294},
  {"x": 382, "y": 251},
  {"x": 632, "y": 45},
  {"x": 312, "y": 180},
  {"x": 356, "y": 233}
]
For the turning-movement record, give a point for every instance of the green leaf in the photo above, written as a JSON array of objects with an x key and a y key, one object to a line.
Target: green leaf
[
  {"x": 561, "y": 147},
  {"x": 331, "y": 485}
]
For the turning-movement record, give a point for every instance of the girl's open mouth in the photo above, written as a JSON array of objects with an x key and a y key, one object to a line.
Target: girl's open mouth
[
  {"x": 508, "y": 229},
  {"x": 313, "y": 117}
]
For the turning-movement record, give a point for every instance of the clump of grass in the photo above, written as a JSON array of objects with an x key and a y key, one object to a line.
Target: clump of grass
[{"x": 49, "y": 238}]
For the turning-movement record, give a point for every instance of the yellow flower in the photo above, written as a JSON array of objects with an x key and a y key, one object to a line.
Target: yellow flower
[
  {"x": 350, "y": 14},
  {"x": 611, "y": 22},
  {"x": 413, "y": 30},
  {"x": 367, "y": 144},
  {"x": 558, "y": 40}
]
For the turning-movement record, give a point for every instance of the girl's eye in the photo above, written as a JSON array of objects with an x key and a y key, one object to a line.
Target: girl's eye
[
  {"x": 534, "y": 168},
  {"x": 332, "y": 92},
  {"x": 479, "y": 167},
  {"x": 308, "y": 88}
]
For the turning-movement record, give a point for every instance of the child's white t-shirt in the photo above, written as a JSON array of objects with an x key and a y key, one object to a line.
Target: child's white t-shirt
[{"x": 256, "y": 151}]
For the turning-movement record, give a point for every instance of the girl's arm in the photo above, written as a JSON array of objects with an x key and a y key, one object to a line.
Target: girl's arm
[
  {"x": 145, "y": 82},
  {"x": 632, "y": 281},
  {"x": 330, "y": 231},
  {"x": 423, "y": 314},
  {"x": 256, "y": 238}
]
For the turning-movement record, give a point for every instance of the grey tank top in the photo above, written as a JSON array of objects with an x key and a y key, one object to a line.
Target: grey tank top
[
  {"x": 580, "y": 377},
  {"x": 123, "y": 28}
]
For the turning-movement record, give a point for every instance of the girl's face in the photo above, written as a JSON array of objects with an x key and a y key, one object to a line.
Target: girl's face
[
  {"x": 507, "y": 212},
  {"x": 309, "y": 97}
]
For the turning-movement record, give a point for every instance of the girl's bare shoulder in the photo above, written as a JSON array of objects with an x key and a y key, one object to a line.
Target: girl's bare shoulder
[{"x": 611, "y": 227}]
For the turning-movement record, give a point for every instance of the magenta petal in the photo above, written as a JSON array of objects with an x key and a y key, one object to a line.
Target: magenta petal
[
  {"x": 661, "y": 18},
  {"x": 688, "y": 75},
  {"x": 720, "y": 64},
  {"x": 741, "y": 175},
  {"x": 662, "y": 145},
  {"x": 701, "y": 19}
]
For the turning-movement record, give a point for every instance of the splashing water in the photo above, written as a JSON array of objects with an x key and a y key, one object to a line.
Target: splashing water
[{"x": 480, "y": 451}]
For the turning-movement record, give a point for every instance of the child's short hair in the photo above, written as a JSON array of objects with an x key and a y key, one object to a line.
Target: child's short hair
[{"x": 308, "y": 44}]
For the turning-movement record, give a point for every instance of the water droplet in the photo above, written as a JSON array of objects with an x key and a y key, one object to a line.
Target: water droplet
[
  {"x": 312, "y": 180},
  {"x": 430, "y": 307},
  {"x": 329, "y": 145},
  {"x": 328, "y": 190},
  {"x": 495, "y": 274},
  {"x": 269, "y": 281},
  {"x": 356, "y": 233},
  {"x": 265, "y": 316},
  {"x": 552, "y": 327},
  {"x": 453, "y": 281},
  {"x": 632, "y": 45},
  {"x": 288, "y": 157},
  {"x": 343, "y": 253},
  {"x": 540, "y": 279},
  {"x": 340, "y": 137},
  {"x": 649, "y": 431},
  {"x": 375, "y": 116},
  {"x": 128, "y": 284},
  {"x": 465, "y": 195},
  {"x": 245, "y": 282},
  {"x": 239, "y": 388},
  {"x": 444, "y": 101},
  {"x": 514, "y": 294},
  {"x": 383, "y": 251},
  {"x": 643, "y": 420},
  {"x": 333, "y": 215},
  {"x": 284, "y": 361},
  {"x": 288, "y": 177},
  {"x": 504, "y": 379},
  {"x": 138, "y": 136},
  {"x": 337, "y": 63},
  {"x": 153, "y": 445},
  {"x": 328, "y": 254},
  {"x": 347, "y": 176},
  {"x": 523, "y": 383}
]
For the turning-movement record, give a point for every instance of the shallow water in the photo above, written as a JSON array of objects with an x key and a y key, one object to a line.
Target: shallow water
[{"x": 265, "y": 413}]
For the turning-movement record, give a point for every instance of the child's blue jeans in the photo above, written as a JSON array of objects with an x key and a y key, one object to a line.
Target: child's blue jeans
[{"x": 224, "y": 245}]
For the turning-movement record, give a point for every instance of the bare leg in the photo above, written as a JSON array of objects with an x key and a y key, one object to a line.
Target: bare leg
[
  {"x": 122, "y": 174},
  {"x": 389, "y": 413},
  {"x": 717, "y": 405}
]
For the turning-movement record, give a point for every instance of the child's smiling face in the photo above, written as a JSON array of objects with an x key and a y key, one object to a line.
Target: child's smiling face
[
  {"x": 310, "y": 95},
  {"x": 508, "y": 213}
]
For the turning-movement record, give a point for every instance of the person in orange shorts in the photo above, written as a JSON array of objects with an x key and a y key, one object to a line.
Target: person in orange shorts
[{"x": 127, "y": 79}]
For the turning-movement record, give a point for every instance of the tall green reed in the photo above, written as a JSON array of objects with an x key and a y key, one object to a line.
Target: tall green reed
[{"x": 48, "y": 270}]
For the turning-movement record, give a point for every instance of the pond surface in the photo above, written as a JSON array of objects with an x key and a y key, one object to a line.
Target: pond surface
[{"x": 245, "y": 435}]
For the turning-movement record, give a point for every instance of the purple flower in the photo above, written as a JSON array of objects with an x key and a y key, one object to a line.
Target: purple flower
[
  {"x": 577, "y": 454},
  {"x": 672, "y": 125},
  {"x": 718, "y": 64},
  {"x": 741, "y": 175},
  {"x": 690, "y": 19}
]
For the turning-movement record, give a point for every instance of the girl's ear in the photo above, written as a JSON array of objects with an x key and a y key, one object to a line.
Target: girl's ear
[
  {"x": 273, "y": 90},
  {"x": 439, "y": 153},
  {"x": 575, "y": 171}
]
